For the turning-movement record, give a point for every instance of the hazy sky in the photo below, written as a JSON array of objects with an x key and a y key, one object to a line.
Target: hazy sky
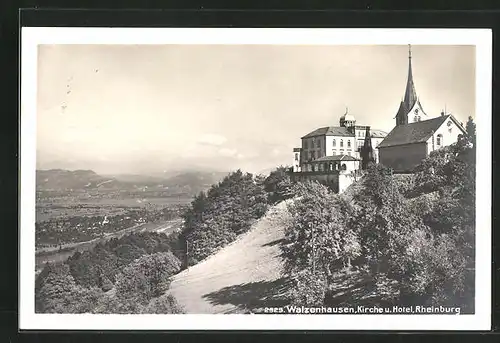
[{"x": 145, "y": 109}]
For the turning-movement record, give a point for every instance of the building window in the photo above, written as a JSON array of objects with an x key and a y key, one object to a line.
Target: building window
[
  {"x": 296, "y": 157},
  {"x": 334, "y": 152},
  {"x": 305, "y": 144},
  {"x": 344, "y": 167},
  {"x": 313, "y": 155},
  {"x": 313, "y": 145},
  {"x": 341, "y": 143},
  {"x": 334, "y": 143},
  {"x": 349, "y": 153},
  {"x": 348, "y": 143},
  {"x": 439, "y": 140}
]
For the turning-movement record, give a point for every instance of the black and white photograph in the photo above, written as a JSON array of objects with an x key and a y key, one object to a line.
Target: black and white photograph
[{"x": 255, "y": 179}]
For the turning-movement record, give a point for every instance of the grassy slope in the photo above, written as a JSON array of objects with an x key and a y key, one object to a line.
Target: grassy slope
[{"x": 244, "y": 275}]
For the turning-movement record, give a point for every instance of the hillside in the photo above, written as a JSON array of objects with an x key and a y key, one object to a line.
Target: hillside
[{"x": 243, "y": 275}]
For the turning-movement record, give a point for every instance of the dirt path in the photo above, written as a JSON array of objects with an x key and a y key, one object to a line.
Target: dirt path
[{"x": 244, "y": 275}]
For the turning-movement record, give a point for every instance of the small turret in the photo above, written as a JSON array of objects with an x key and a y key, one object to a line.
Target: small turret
[{"x": 347, "y": 120}]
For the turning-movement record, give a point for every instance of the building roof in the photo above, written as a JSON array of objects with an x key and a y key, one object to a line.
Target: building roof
[
  {"x": 330, "y": 131},
  {"x": 335, "y": 158},
  {"x": 341, "y": 131},
  {"x": 418, "y": 132}
]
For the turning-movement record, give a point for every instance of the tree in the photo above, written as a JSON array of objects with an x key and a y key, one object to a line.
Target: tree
[
  {"x": 165, "y": 304},
  {"x": 278, "y": 185},
  {"x": 226, "y": 210},
  {"x": 147, "y": 277},
  {"x": 59, "y": 293},
  {"x": 318, "y": 241}
]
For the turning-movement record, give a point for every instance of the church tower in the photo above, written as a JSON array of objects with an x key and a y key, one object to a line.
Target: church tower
[{"x": 410, "y": 109}]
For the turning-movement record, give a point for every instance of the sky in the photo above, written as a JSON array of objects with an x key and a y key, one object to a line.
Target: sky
[{"x": 145, "y": 109}]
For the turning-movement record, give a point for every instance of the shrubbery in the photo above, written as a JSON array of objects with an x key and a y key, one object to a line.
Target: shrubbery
[
  {"x": 93, "y": 267},
  {"x": 278, "y": 185},
  {"x": 417, "y": 231},
  {"x": 120, "y": 276},
  {"x": 225, "y": 211}
]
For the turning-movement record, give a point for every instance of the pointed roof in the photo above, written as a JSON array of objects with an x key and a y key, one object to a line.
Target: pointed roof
[{"x": 410, "y": 97}]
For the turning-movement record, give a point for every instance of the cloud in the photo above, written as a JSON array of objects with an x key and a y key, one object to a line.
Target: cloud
[
  {"x": 228, "y": 152},
  {"x": 212, "y": 139}
]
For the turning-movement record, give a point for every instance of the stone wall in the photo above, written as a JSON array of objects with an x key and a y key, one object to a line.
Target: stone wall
[{"x": 338, "y": 182}]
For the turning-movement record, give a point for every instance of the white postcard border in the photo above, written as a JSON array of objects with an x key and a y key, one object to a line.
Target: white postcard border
[{"x": 31, "y": 37}]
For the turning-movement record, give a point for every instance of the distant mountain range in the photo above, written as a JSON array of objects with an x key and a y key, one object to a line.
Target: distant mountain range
[{"x": 189, "y": 182}]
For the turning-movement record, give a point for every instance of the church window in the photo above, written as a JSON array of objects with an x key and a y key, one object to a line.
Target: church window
[
  {"x": 334, "y": 142},
  {"x": 341, "y": 143},
  {"x": 348, "y": 143},
  {"x": 439, "y": 140}
]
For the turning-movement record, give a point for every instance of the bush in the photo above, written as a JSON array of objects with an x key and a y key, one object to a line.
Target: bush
[
  {"x": 217, "y": 217},
  {"x": 147, "y": 277},
  {"x": 163, "y": 305},
  {"x": 279, "y": 185},
  {"x": 317, "y": 241},
  {"x": 58, "y": 293}
]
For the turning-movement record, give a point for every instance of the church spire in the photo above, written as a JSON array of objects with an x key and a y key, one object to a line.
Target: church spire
[
  {"x": 410, "y": 94},
  {"x": 410, "y": 99}
]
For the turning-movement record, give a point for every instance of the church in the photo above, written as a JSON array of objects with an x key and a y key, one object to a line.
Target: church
[
  {"x": 335, "y": 154},
  {"x": 416, "y": 135}
]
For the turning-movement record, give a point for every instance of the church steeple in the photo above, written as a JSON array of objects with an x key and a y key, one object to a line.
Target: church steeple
[
  {"x": 410, "y": 102},
  {"x": 410, "y": 94}
]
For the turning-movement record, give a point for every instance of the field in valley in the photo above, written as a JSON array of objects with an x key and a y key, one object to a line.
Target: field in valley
[{"x": 79, "y": 212}]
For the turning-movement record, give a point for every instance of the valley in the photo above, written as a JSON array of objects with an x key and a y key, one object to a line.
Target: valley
[{"x": 76, "y": 210}]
